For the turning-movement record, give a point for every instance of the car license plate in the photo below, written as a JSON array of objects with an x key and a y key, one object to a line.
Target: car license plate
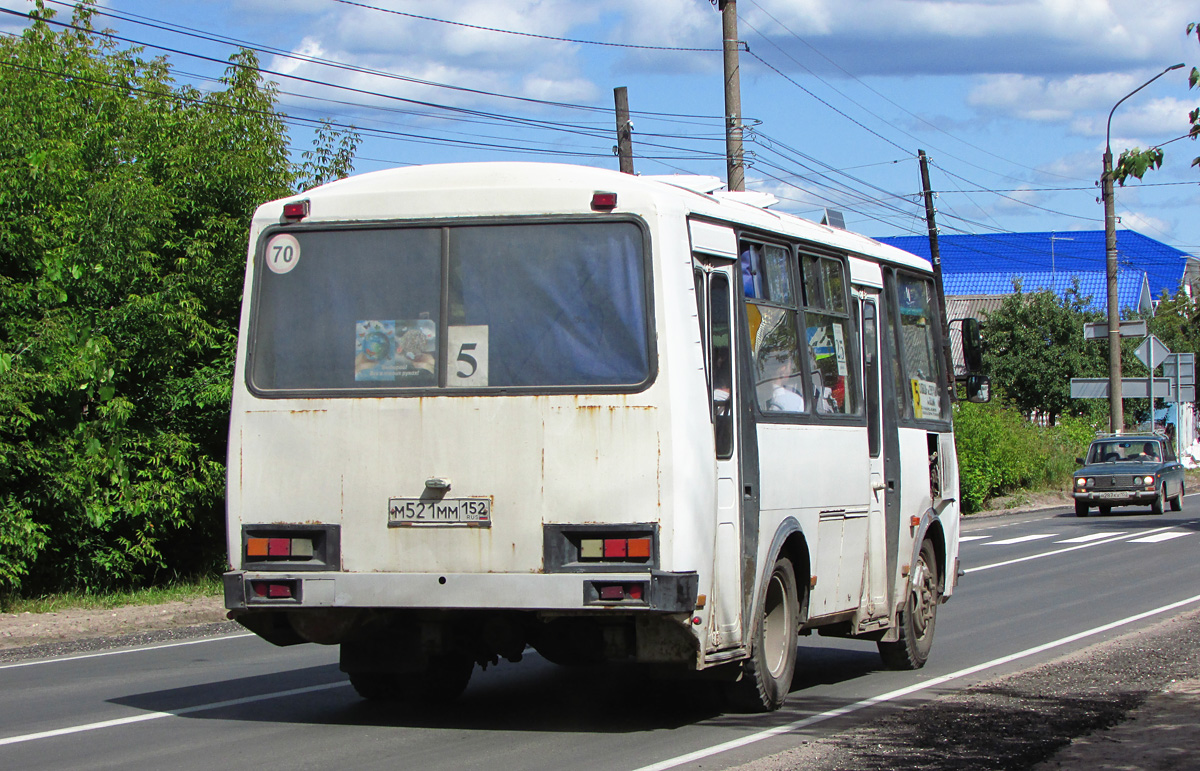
[
  {"x": 1107, "y": 495},
  {"x": 472, "y": 512}
]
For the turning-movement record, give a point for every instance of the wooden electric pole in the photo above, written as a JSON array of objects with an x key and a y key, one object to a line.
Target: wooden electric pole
[
  {"x": 624, "y": 130},
  {"x": 734, "y": 158},
  {"x": 935, "y": 257}
]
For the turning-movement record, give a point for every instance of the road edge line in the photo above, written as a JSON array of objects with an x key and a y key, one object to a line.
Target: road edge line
[{"x": 910, "y": 689}]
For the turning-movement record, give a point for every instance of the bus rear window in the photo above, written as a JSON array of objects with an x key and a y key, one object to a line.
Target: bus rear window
[{"x": 548, "y": 305}]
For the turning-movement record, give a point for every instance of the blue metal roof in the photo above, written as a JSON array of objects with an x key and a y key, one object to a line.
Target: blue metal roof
[{"x": 988, "y": 263}]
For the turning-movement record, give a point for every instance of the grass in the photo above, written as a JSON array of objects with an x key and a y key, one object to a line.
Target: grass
[{"x": 209, "y": 586}]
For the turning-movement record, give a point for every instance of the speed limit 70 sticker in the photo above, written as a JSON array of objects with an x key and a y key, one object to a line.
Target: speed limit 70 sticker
[{"x": 283, "y": 253}]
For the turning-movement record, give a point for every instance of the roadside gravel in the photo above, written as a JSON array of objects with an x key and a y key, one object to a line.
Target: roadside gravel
[
  {"x": 1029, "y": 720},
  {"x": 40, "y": 635}
]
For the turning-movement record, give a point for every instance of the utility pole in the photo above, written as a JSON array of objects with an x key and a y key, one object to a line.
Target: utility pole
[
  {"x": 1116, "y": 409},
  {"x": 624, "y": 130},
  {"x": 734, "y": 158},
  {"x": 1116, "y": 406},
  {"x": 935, "y": 256}
]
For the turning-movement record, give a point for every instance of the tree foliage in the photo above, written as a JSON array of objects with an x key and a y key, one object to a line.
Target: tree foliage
[
  {"x": 1035, "y": 345},
  {"x": 124, "y": 205},
  {"x": 1135, "y": 162}
]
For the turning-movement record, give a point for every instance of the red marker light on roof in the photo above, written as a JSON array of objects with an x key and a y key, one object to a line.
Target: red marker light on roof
[
  {"x": 604, "y": 201},
  {"x": 294, "y": 211}
]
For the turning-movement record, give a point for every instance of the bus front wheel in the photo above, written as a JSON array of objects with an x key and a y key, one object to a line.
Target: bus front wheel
[
  {"x": 766, "y": 676},
  {"x": 918, "y": 616}
]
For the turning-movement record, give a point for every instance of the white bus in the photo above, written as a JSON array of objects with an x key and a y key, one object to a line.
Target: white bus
[{"x": 483, "y": 407}]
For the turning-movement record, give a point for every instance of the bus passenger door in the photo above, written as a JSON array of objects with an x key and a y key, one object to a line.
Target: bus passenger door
[
  {"x": 715, "y": 286},
  {"x": 874, "y": 593}
]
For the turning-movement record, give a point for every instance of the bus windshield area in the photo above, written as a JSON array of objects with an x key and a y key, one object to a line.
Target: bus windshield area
[{"x": 532, "y": 305}]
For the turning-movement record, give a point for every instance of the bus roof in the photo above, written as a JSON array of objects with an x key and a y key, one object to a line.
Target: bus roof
[{"x": 469, "y": 189}]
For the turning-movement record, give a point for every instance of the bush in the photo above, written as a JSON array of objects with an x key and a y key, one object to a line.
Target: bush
[{"x": 1000, "y": 452}]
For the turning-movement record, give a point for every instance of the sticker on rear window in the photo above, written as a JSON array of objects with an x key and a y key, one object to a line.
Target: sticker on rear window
[{"x": 283, "y": 253}]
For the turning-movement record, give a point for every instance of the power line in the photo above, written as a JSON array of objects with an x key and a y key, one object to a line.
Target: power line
[
  {"x": 529, "y": 34},
  {"x": 882, "y": 96},
  {"x": 864, "y": 127},
  {"x": 179, "y": 29}
]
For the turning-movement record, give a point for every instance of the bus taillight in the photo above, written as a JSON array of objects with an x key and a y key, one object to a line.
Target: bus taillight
[{"x": 294, "y": 211}]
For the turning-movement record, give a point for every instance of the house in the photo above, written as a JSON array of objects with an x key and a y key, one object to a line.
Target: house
[{"x": 988, "y": 264}]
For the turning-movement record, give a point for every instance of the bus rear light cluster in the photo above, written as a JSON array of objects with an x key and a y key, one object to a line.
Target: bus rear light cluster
[
  {"x": 291, "y": 547},
  {"x": 632, "y": 592},
  {"x": 275, "y": 590},
  {"x": 615, "y": 549},
  {"x": 280, "y": 548}
]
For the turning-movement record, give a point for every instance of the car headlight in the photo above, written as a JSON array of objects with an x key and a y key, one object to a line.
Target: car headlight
[
  {"x": 1080, "y": 482},
  {"x": 1148, "y": 480}
]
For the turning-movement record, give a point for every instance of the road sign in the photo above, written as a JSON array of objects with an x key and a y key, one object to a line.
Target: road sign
[
  {"x": 1182, "y": 365},
  {"x": 1099, "y": 329},
  {"x": 1152, "y": 352},
  {"x": 1131, "y": 388}
]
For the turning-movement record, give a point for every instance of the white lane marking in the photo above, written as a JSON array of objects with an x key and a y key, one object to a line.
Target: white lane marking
[
  {"x": 126, "y": 650},
  {"x": 914, "y": 688},
  {"x": 1092, "y": 537},
  {"x": 1160, "y": 537},
  {"x": 1022, "y": 539},
  {"x": 1056, "y": 551},
  {"x": 965, "y": 538},
  {"x": 171, "y": 713}
]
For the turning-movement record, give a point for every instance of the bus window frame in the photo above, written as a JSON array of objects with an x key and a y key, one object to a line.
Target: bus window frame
[
  {"x": 444, "y": 225},
  {"x": 853, "y": 347},
  {"x": 891, "y": 297}
]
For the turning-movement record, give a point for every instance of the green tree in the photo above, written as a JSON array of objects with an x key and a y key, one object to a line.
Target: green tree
[
  {"x": 1135, "y": 162},
  {"x": 1035, "y": 345},
  {"x": 124, "y": 206}
]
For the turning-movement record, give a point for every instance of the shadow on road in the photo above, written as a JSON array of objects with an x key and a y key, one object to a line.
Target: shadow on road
[{"x": 532, "y": 695}]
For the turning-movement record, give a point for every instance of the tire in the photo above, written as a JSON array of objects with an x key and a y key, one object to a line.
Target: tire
[
  {"x": 766, "y": 676},
  {"x": 918, "y": 616},
  {"x": 1177, "y": 501},
  {"x": 1081, "y": 509},
  {"x": 1156, "y": 505},
  {"x": 1104, "y": 510},
  {"x": 439, "y": 685}
]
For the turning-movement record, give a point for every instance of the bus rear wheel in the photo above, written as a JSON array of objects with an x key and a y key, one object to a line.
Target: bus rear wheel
[
  {"x": 766, "y": 677},
  {"x": 918, "y": 616},
  {"x": 438, "y": 685}
]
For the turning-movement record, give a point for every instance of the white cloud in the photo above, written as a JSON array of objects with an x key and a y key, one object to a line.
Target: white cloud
[
  {"x": 1046, "y": 37},
  {"x": 456, "y": 53},
  {"x": 1146, "y": 223}
]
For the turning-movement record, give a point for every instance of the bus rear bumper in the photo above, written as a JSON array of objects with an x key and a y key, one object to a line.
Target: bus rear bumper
[{"x": 648, "y": 590}]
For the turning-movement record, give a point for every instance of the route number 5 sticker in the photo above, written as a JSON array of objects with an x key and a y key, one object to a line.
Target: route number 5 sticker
[
  {"x": 468, "y": 348},
  {"x": 283, "y": 253}
]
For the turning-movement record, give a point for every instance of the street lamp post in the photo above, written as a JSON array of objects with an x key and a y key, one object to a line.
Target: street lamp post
[{"x": 1116, "y": 411}]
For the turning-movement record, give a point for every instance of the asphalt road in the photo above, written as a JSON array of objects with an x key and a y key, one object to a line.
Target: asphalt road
[{"x": 1037, "y": 586}]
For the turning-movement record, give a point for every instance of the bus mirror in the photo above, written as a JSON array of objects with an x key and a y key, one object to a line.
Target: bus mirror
[
  {"x": 979, "y": 389},
  {"x": 972, "y": 342}
]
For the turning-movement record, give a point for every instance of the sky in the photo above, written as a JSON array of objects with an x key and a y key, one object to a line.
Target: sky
[{"x": 1008, "y": 98}]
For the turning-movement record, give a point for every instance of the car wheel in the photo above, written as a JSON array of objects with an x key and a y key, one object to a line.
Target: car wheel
[
  {"x": 918, "y": 616},
  {"x": 1177, "y": 501},
  {"x": 1104, "y": 510},
  {"x": 766, "y": 676},
  {"x": 1081, "y": 509},
  {"x": 1156, "y": 506}
]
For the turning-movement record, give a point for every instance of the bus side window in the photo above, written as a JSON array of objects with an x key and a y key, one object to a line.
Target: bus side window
[
  {"x": 722, "y": 364},
  {"x": 751, "y": 265},
  {"x": 828, "y": 334}
]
